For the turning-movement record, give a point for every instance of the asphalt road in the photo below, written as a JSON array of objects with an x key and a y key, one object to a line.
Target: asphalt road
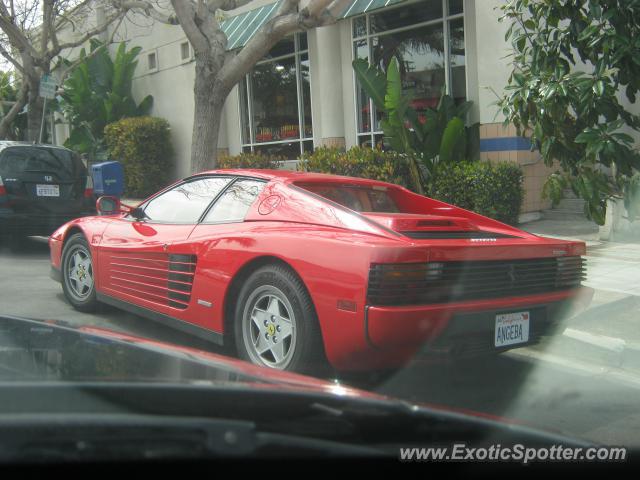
[{"x": 544, "y": 386}]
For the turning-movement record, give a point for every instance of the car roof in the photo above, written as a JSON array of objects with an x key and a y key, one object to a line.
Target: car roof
[{"x": 290, "y": 176}]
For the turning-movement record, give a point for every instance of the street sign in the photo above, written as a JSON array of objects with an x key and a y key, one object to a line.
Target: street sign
[{"x": 48, "y": 86}]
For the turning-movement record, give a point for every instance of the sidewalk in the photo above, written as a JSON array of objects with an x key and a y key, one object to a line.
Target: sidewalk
[
  {"x": 611, "y": 266},
  {"x": 608, "y": 333}
]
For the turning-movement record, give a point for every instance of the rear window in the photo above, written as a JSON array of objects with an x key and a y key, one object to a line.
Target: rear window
[
  {"x": 15, "y": 161},
  {"x": 355, "y": 197}
]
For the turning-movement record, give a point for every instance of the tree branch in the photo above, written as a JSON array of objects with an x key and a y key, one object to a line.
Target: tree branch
[
  {"x": 226, "y": 5},
  {"x": 79, "y": 60},
  {"x": 287, "y": 6},
  {"x": 11, "y": 59},
  {"x": 336, "y": 9},
  {"x": 16, "y": 36},
  {"x": 187, "y": 19},
  {"x": 89, "y": 34},
  {"x": 47, "y": 16},
  {"x": 315, "y": 8},
  {"x": 317, "y": 13},
  {"x": 257, "y": 47},
  {"x": 21, "y": 101},
  {"x": 148, "y": 8}
]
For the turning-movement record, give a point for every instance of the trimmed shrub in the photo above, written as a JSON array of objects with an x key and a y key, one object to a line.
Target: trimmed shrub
[
  {"x": 250, "y": 160},
  {"x": 361, "y": 162},
  {"x": 494, "y": 190},
  {"x": 143, "y": 146}
]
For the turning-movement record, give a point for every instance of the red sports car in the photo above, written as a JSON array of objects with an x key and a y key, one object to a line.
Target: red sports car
[{"x": 296, "y": 270}]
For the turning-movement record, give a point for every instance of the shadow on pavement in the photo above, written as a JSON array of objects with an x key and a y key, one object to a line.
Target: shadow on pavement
[{"x": 24, "y": 246}]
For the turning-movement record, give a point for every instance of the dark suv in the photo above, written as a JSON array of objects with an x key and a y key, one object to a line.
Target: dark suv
[{"x": 41, "y": 187}]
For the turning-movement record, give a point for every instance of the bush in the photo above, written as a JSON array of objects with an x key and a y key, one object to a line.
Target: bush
[
  {"x": 250, "y": 160},
  {"x": 143, "y": 146},
  {"x": 493, "y": 190},
  {"x": 361, "y": 162}
]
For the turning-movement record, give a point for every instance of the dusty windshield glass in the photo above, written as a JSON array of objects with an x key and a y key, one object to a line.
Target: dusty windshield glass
[{"x": 356, "y": 226}]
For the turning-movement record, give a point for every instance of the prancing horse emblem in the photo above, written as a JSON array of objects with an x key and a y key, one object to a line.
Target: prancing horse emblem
[{"x": 511, "y": 273}]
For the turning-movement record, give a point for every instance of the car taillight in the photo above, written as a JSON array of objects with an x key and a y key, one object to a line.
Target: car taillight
[
  {"x": 407, "y": 283},
  {"x": 88, "y": 189},
  {"x": 409, "y": 272},
  {"x": 3, "y": 191}
]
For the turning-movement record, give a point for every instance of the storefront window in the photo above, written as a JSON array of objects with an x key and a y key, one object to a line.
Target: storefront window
[
  {"x": 275, "y": 101},
  {"x": 427, "y": 38}
]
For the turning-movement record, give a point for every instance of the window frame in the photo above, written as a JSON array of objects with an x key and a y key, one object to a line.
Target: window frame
[
  {"x": 302, "y": 138},
  {"x": 153, "y": 52},
  {"x": 200, "y": 221},
  {"x": 190, "y": 52},
  {"x": 368, "y": 37}
]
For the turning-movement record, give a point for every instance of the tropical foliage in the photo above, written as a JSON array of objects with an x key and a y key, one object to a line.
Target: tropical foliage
[
  {"x": 576, "y": 69},
  {"x": 441, "y": 136},
  {"x": 97, "y": 93}
]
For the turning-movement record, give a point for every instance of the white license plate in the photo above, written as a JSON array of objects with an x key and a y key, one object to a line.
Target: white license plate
[
  {"x": 48, "y": 190},
  {"x": 511, "y": 329}
]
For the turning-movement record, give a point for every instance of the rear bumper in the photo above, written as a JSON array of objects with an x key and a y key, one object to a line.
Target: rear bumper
[
  {"x": 35, "y": 224},
  {"x": 465, "y": 328}
]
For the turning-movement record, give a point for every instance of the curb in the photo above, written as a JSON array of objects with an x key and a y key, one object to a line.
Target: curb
[
  {"x": 604, "y": 309},
  {"x": 593, "y": 348},
  {"x": 617, "y": 354},
  {"x": 609, "y": 351}
]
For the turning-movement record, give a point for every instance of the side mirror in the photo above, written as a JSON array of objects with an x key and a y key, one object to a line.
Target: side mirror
[
  {"x": 137, "y": 213},
  {"x": 108, "y": 205}
]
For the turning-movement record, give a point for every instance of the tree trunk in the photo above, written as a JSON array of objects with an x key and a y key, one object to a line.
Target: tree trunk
[
  {"x": 34, "y": 114},
  {"x": 206, "y": 121}
]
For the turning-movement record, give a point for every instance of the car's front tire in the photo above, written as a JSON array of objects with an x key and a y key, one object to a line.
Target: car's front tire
[
  {"x": 78, "y": 275},
  {"x": 275, "y": 322}
]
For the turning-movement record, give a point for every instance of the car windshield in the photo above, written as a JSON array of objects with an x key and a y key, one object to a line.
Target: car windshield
[
  {"x": 284, "y": 228},
  {"x": 359, "y": 199}
]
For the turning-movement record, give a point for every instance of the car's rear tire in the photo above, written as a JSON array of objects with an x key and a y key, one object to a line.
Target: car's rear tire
[
  {"x": 276, "y": 324},
  {"x": 78, "y": 274}
]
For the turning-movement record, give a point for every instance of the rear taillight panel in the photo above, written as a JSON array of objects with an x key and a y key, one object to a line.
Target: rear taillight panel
[{"x": 442, "y": 282}]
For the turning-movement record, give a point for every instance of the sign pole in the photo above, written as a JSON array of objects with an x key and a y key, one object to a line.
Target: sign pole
[
  {"x": 47, "y": 90},
  {"x": 44, "y": 109}
]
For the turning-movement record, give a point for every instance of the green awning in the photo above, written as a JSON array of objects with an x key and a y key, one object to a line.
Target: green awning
[
  {"x": 240, "y": 28},
  {"x": 359, "y": 7}
]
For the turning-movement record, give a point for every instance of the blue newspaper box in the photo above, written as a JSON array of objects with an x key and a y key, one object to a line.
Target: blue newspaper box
[{"x": 108, "y": 178}]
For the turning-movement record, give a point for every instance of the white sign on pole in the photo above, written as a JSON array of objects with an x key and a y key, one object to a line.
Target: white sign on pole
[{"x": 48, "y": 86}]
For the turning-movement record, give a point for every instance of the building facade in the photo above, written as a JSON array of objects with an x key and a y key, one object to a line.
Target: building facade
[{"x": 304, "y": 93}]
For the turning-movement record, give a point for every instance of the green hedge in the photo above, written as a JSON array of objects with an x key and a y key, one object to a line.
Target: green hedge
[
  {"x": 250, "y": 160},
  {"x": 493, "y": 190},
  {"x": 143, "y": 146},
  {"x": 358, "y": 162}
]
